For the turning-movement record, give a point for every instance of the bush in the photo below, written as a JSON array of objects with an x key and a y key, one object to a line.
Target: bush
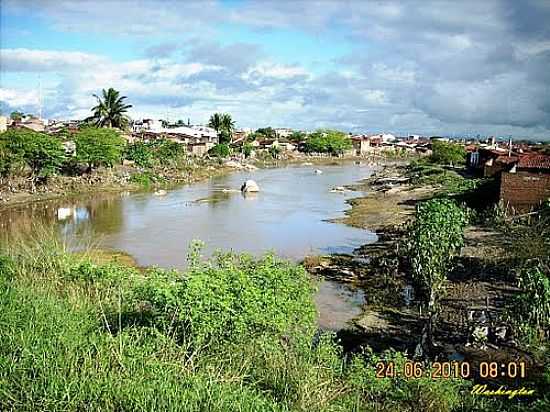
[
  {"x": 448, "y": 153},
  {"x": 168, "y": 151},
  {"x": 140, "y": 153},
  {"x": 220, "y": 150},
  {"x": 99, "y": 147},
  {"x": 232, "y": 298},
  {"x": 42, "y": 153},
  {"x": 435, "y": 236},
  {"x": 532, "y": 306},
  {"x": 328, "y": 141}
]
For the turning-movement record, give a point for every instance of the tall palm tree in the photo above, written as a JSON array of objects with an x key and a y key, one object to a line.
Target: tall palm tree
[
  {"x": 215, "y": 122},
  {"x": 228, "y": 124},
  {"x": 110, "y": 110}
]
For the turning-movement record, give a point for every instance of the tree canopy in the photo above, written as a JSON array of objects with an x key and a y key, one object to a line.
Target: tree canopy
[
  {"x": 328, "y": 141},
  {"x": 448, "y": 153},
  {"x": 224, "y": 125},
  {"x": 110, "y": 110},
  {"x": 99, "y": 147}
]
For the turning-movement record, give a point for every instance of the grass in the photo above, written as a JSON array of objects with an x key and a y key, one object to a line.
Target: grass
[{"x": 78, "y": 335}]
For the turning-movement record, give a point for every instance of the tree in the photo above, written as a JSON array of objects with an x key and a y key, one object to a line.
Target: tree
[
  {"x": 448, "y": 153},
  {"x": 266, "y": 133},
  {"x": 16, "y": 115},
  {"x": 328, "y": 141},
  {"x": 110, "y": 110},
  {"x": 297, "y": 137},
  {"x": 98, "y": 147},
  {"x": 247, "y": 149},
  {"x": 215, "y": 122},
  {"x": 220, "y": 150},
  {"x": 224, "y": 125},
  {"x": 42, "y": 153}
]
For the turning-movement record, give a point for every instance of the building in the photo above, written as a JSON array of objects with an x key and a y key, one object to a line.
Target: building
[
  {"x": 3, "y": 124},
  {"x": 361, "y": 145},
  {"x": 527, "y": 184},
  {"x": 283, "y": 132},
  {"x": 30, "y": 122}
]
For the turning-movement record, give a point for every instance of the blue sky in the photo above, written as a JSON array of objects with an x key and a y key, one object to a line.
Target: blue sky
[{"x": 423, "y": 67}]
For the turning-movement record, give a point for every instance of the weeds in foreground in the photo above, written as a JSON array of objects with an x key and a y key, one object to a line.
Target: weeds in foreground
[{"x": 233, "y": 333}]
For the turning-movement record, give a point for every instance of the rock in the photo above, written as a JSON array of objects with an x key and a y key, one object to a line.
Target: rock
[
  {"x": 250, "y": 186},
  {"x": 338, "y": 189},
  {"x": 160, "y": 193},
  {"x": 250, "y": 167},
  {"x": 318, "y": 172},
  {"x": 307, "y": 164},
  {"x": 233, "y": 164}
]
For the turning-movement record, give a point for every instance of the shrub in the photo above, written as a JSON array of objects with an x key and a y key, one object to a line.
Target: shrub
[
  {"x": 220, "y": 150},
  {"x": 168, "y": 151},
  {"x": 140, "y": 153},
  {"x": 327, "y": 141},
  {"x": 448, "y": 153},
  {"x": 99, "y": 147},
  {"x": 532, "y": 306},
  {"x": 435, "y": 236},
  {"x": 231, "y": 298},
  {"x": 42, "y": 153}
]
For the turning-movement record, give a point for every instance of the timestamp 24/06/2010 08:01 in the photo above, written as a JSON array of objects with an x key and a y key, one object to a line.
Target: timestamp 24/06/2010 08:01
[{"x": 451, "y": 369}]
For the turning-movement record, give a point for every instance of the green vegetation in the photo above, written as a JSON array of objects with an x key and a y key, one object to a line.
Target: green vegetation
[
  {"x": 219, "y": 150},
  {"x": 328, "y": 141},
  {"x": 97, "y": 147},
  {"x": 247, "y": 149},
  {"x": 162, "y": 152},
  {"x": 16, "y": 115},
  {"x": 436, "y": 235},
  {"x": 110, "y": 110},
  {"x": 42, "y": 154},
  {"x": 233, "y": 333},
  {"x": 448, "y": 153},
  {"x": 424, "y": 173},
  {"x": 297, "y": 137},
  {"x": 224, "y": 125}
]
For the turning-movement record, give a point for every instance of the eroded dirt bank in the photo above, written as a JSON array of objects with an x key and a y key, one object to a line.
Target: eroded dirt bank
[{"x": 472, "y": 322}]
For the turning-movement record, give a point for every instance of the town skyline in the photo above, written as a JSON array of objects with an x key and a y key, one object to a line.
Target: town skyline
[{"x": 405, "y": 68}]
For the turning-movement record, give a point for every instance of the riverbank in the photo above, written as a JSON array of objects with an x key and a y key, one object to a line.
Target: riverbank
[{"x": 473, "y": 323}]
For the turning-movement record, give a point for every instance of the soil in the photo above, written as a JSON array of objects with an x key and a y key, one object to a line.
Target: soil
[{"x": 477, "y": 294}]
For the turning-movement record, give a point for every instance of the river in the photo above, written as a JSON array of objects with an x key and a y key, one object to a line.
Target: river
[{"x": 288, "y": 216}]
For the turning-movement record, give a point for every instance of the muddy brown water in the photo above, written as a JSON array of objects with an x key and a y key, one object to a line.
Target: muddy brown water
[{"x": 288, "y": 216}]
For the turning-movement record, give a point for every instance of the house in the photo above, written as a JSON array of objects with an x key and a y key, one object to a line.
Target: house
[
  {"x": 283, "y": 132},
  {"x": 527, "y": 184},
  {"x": 198, "y": 149},
  {"x": 361, "y": 145}
]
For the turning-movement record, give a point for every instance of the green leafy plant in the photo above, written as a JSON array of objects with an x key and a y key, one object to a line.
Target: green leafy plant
[
  {"x": 219, "y": 150},
  {"x": 328, "y": 141},
  {"x": 42, "y": 153},
  {"x": 99, "y": 147},
  {"x": 436, "y": 235},
  {"x": 448, "y": 153}
]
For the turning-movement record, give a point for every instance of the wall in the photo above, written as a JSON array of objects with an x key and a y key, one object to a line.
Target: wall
[{"x": 524, "y": 190}]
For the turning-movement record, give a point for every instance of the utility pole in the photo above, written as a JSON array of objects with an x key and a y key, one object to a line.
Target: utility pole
[{"x": 39, "y": 97}]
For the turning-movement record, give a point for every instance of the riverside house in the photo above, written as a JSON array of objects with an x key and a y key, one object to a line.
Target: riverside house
[{"x": 527, "y": 183}]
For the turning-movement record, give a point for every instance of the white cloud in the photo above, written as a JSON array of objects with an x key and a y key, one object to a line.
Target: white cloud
[{"x": 30, "y": 60}]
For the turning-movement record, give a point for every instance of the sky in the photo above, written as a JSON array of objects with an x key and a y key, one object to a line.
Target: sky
[{"x": 411, "y": 67}]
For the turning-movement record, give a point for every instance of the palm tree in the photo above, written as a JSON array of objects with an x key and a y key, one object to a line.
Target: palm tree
[
  {"x": 110, "y": 110},
  {"x": 215, "y": 122},
  {"x": 228, "y": 124}
]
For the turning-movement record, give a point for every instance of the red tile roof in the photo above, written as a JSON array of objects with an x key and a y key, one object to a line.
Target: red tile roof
[{"x": 534, "y": 161}]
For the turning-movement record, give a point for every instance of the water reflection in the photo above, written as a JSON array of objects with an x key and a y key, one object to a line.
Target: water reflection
[{"x": 288, "y": 216}]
